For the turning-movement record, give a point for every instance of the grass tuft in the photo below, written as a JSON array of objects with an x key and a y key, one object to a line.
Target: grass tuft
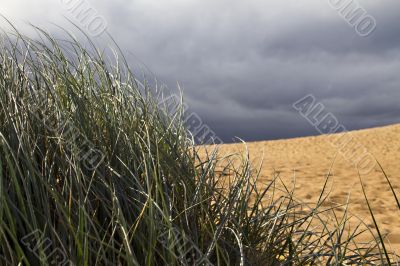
[{"x": 96, "y": 170}]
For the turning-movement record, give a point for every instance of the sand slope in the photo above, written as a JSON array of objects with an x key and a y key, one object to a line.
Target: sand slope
[{"x": 310, "y": 158}]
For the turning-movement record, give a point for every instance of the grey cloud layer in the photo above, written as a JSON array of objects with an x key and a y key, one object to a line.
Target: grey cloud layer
[{"x": 243, "y": 63}]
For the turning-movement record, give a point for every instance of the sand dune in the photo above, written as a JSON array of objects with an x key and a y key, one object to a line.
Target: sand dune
[{"x": 310, "y": 159}]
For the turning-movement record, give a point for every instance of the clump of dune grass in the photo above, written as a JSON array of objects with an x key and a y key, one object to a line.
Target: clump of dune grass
[{"x": 96, "y": 170}]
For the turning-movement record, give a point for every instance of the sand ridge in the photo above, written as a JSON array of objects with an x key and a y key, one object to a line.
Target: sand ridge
[{"x": 310, "y": 159}]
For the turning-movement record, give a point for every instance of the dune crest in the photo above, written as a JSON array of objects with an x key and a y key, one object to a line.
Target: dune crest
[{"x": 310, "y": 158}]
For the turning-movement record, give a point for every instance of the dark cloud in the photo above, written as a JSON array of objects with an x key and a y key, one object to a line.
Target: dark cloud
[{"x": 243, "y": 63}]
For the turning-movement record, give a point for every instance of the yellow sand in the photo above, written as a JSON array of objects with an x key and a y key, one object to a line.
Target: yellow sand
[{"x": 310, "y": 159}]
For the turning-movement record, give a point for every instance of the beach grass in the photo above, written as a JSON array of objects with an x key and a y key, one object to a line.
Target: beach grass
[{"x": 95, "y": 169}]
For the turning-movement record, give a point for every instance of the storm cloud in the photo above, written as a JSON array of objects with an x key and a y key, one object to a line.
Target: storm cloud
[{"x": 243, "y": 64}]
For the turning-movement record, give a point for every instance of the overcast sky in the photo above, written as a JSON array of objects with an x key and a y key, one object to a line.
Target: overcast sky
[{"x": 243, "y": 64}]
